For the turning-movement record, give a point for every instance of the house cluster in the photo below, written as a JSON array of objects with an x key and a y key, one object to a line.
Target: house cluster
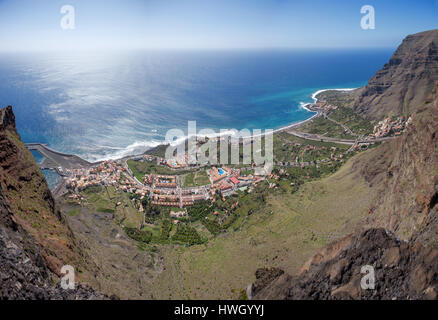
[
  {"x": 166, "y": 199},
  {"x": 192, "y": 195},
  {"x": 162, "y": 181},
  {"x": 389, "y": 127},
  {"x": 176, "y": 163},
  {"x": 226, "y": 181},
  {"x": 107, "y": 173},
  {"x": 322, "y": 106},
  {"x": 166, "y": 191},
  {"x": 218, "y": 174},
  {"x": 163, "y": 190}
]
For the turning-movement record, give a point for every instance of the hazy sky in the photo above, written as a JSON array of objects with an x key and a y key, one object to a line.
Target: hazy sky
[{"x": 210, "y": 24}]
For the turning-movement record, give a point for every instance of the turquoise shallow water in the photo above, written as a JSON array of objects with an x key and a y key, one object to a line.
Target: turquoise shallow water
[{"x": 101, "y": 105}]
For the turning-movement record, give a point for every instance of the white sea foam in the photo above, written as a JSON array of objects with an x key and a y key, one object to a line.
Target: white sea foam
[
  {"x": 321, "y": 91},
  {"x": 304, "y": 105},
  {"x": 139, "y": 147}
]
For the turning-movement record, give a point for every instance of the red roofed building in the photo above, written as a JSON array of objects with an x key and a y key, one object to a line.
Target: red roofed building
[{"x": 234, "y": 180}]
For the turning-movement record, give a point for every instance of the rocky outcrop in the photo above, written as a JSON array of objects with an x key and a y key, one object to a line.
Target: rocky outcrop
[
  {"x": 264, "y": 276},
  {"x": 405, "y": 82},
  {"x": 25, "y": 276},
  {"x": 31, "y": 202},
  {"x": 402, "y": 270},
  {"x": 34, "y": 240},
  {"x": 7, "y": 119},
  {"x": 24, "y": 273}
]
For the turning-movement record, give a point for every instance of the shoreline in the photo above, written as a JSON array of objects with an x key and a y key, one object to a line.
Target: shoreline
[
  {"x": 304, "y": 106},
  {"x": 289, "y": 126},
  {"x": 59, "y": 187},
  {"x": 157, "y": 144}
]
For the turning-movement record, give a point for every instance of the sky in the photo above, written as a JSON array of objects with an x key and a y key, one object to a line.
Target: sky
[{"x": 35, "y": 25}]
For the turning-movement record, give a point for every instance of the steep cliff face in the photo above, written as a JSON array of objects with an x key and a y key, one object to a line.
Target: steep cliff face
[
  {"x": 406, "y": 173},
  {"x": 401, "y": 243},
  {"x": 402, "y": 270},
  {"x": 34, "y": 241},
  {"x": 31, "y": 201},
  {"x": 23, "y": 270},
  {"x": 405, "y": 82}
]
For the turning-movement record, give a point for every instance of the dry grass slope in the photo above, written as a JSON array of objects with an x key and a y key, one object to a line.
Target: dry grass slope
[{"x": 284, "y": 232}]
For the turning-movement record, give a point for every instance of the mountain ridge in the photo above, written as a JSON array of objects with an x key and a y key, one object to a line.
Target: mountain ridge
[
  {"x": 403, "y": 83},
  {"x": 400, "y": 235}
]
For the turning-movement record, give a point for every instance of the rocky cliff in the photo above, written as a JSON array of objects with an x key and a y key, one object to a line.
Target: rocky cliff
[
  {"x": 405, "y": 268},
  {"x": 34, "y": 240},
  {"x": 405, "y": 82},
  {"x": 405, "y": 172},
  {"x": 402, "y": 269},
  {"x": 399, "y": 238}
]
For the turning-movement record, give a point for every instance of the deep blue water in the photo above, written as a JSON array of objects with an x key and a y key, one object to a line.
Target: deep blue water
[{"x": 109, "y": 105}]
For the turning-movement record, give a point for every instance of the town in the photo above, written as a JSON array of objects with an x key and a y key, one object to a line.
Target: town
[{"x": 162, "y": 190}]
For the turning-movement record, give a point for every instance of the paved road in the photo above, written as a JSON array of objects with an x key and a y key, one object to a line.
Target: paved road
[
  {"x": 317, "y": 137},
  {"x": 347, "y": 129},
  {"x": 125, "y": 164}
]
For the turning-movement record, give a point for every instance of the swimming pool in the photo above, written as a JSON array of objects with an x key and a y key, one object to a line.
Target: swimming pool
[{"x": 221, "y": 171}]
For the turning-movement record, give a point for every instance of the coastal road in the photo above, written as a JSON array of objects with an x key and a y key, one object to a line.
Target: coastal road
[{"x": 317, "y": 137}]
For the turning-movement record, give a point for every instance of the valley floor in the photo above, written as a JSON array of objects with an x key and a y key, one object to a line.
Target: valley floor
[{"x": 284, "y": 231}]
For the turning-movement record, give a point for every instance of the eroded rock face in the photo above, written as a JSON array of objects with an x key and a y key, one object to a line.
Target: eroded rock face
[
  {"x": 32, "y": 205},
  {"x": 24, "y": 275},
  {"x": 34, "y": 241},
  {"x": 405, "y": 82},
  {"x": 405, "y": 172},
  {"x": 23, "y": 270},
  {"x": 264, "y": 276},
  {"x": 403, "y": 270}
]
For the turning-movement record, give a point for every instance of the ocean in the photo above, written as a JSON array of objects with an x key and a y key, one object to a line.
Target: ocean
[{"x": 109, "y": 105}]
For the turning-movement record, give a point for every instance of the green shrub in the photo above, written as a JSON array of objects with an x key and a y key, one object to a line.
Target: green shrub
[
  {"x": 141, "y": 236},
  {"x": 212, "y": 226},
  {"x": 188, "y": 235},
  {"x": 166, "y": 227},
  {"x": 105, "y": 210}
]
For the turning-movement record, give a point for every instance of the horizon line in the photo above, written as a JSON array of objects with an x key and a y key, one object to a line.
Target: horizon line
[{"x": 187, "y": 49}]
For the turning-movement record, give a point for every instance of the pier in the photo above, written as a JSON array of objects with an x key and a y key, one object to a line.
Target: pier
[{"x": 54, "y": 159}]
